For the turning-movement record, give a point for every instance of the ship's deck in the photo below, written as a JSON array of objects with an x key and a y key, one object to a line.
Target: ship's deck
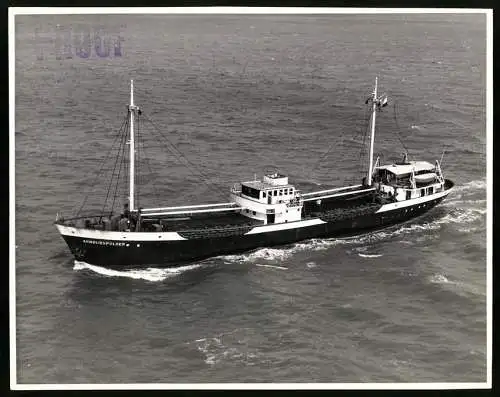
[
  {"x": 315, "y": 204},
  {"x": 202, "y": 221}
]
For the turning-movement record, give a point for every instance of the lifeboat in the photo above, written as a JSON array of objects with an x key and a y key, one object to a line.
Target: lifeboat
[{"x": 425, "y": 178}]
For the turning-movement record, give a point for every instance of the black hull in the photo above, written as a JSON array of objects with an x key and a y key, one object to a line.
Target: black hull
[{"x": 178, "y": 253}]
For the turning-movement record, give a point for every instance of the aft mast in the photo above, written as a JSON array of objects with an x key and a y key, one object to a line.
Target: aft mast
[
  {"x": 377, "y": 103},
  {"x": 132, "y": 109}
]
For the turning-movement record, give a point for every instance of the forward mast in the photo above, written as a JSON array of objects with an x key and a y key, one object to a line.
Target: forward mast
[{"x": 132, "y": 109}]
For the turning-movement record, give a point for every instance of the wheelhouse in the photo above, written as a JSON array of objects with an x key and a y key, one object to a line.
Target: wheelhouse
[{"x": 272, "y": 199}]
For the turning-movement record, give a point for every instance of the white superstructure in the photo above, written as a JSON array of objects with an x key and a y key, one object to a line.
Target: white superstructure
[
  {"x": 271, "y": 200},
  {"x": 409, "y": 179}
]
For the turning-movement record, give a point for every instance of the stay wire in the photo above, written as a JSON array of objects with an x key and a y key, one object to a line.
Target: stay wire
[
  {"x": 146, "y": 160},
  {"x": 179, "y": 155},
  {"x": 196, "y": 175},
  {"x": 122, "y": 165},
  {"x": 122, "y": 144},
  {"x": 323, "y": 156},
  {"x": 398, "y": 129},
  {"x": 98, "y": 174}
]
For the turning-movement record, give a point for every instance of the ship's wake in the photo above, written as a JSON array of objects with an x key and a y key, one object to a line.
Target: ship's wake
[
  {"x": 149, "y": 274},
  {"x": 466, "y": 216}
]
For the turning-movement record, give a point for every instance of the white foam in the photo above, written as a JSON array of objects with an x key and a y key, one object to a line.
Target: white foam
[
  {"x": 439, "y": 279},
  {"x": 281, "y": 254},
  {"x": 453, "y": 203},
  {"x": 268, "y": 254},
  {"x": 472, "y": 185},
  {"x": 468, "y": 229},
  {"x": 385, "y": 235},
  {"x": 370, "y": 255},
  {"x": 310, "y": 265},
  {"x": 272, "y": 266},
  {"x": 216, "y": 349},
  {"x": 462, "y": 215},
  {"x": 148, "y": 274}
]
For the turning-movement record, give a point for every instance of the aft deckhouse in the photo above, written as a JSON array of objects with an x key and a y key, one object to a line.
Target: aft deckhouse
[{"x": 409, "y": 179}]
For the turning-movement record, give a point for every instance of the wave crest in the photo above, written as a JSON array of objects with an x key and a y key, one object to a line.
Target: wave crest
[
  {"x": 472, "y": 185},
  {"x": 462, "y": 215}
]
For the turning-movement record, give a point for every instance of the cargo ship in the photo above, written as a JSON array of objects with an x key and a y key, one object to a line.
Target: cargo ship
[{"x": 264, "y": 212}]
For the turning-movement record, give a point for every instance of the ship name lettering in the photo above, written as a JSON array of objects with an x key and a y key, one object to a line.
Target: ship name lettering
[{"x": 108, "y": 243}]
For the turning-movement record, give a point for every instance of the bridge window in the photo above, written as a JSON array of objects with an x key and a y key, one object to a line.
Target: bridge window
[
  {"x": 250, "y": 192},
  {"x": 275, "y": 192},
  {"x": 253, "y": 212},
  {"x": 281, "y": 192},
  {"x": 263, "y": 194}
]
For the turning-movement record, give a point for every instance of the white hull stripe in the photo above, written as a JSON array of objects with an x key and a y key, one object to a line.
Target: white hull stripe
[
  {"x": 118, "y": 236},
  {"x": 412, "y": 202},
  {"x": 285, "y": 226}
]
